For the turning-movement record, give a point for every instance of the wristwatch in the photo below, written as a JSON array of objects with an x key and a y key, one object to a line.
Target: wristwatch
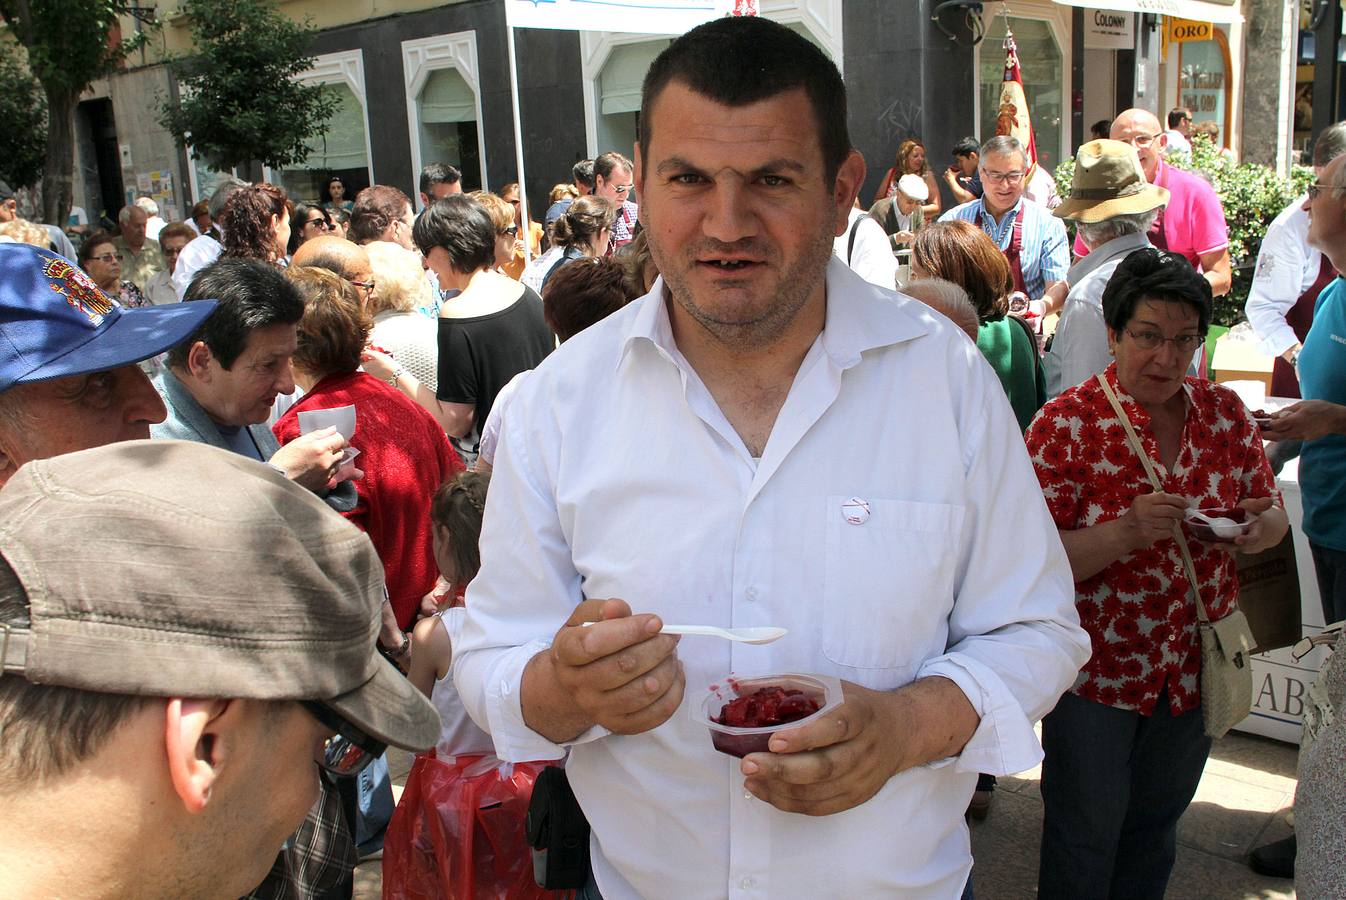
[
  {"x": 1293, "y": 354},
  {"x": 397, "y": 373}
]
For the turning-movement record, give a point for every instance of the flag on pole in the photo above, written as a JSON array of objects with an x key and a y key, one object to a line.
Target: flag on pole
[{"x": 1012, "y": 117}]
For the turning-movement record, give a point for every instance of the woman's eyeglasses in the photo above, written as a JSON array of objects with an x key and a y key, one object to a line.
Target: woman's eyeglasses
[
  {"x": 349, "y": 750},
  {"x": 1150, "y": 340},
  {"x": 320, "y": 223},
  {"x": 109, "y": 258},
  {"x": 511, "y": 230}
]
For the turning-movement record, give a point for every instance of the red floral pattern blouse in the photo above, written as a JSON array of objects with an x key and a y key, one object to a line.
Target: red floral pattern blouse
[{"x": 1138, "y": 611}]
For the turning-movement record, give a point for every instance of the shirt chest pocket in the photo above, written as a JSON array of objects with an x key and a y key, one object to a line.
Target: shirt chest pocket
[{"x": 888, "y": 582}]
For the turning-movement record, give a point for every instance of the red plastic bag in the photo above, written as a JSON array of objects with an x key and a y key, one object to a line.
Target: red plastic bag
[{"x": 458, "y": 832}]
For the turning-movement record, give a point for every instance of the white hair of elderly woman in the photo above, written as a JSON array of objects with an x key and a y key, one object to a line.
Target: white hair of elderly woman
[
  {"x": 399, "y": 279},
  {"x": 949, "y": 299}
]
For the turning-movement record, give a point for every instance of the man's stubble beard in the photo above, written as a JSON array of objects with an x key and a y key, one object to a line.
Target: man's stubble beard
[{"x": 796, "y": 285}]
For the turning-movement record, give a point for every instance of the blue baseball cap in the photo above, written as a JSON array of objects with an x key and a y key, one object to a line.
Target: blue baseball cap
[{"x": 55, "y": 322}]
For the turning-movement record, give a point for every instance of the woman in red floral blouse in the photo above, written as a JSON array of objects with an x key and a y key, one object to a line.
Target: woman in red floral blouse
[{"x": 1126, "y": 746}]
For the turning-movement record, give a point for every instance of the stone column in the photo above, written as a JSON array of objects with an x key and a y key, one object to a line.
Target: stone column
[{"x": 1270, "y": 38}]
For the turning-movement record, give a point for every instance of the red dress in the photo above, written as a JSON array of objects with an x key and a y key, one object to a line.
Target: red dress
[{"x": 405, "y": 456}]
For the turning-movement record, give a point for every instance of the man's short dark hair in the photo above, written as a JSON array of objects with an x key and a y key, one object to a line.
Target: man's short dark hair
[
  {"x": 1176, "y": 115},
  {"x": 462, "y": 227},
  {"x": 583, "y": 172},
  {"x": 738, "y": 61},
  {"x": 376, "y": 208},
  {"x": 968, "y": 146},
  {"x": 1153, "y": 274},
  {"x": 49, "y": 728},
  {"x": 610, "y": 162},
  {"x": 581, "y": 293},
  {"x": 438, "y": 173},
  {"x": 251, "y": 295}
]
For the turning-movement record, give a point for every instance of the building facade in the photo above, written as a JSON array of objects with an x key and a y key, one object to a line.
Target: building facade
[{"x": 421, "y": 82}]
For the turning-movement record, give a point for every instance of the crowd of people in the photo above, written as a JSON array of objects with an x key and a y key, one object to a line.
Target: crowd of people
[{"x": 371, "y": 471}]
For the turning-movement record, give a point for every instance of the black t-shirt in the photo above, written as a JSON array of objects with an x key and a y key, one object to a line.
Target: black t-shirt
[{"x": 479, "y": 355}]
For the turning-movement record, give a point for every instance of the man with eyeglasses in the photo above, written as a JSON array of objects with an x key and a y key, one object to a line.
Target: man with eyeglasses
[
  {"x": 382, "y": 213},
  {"x": 1034, "y": 243},
  {"x": 180, "y": 717},
  {"x": 614, "y": 179},
  {"x": 172, "y": 239},
  {"x": 1193, "y": 223},
  {"x": 342, "y": 258},
  {"x": 1289, "y": 277}
]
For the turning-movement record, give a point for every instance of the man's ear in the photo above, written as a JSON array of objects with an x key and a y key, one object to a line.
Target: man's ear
[
  {"x": 198, "y": 361},
  {"x": 846, "y": 188},
  {"x": 199, "y": 738}
]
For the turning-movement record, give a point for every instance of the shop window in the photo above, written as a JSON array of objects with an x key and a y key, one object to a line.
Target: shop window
[
  {"x": 342, "y": 151},
  {"x": 1203, "y": 81},
  {"x": 447, "y": 119},
  {"x": 1040, "y": 60}
]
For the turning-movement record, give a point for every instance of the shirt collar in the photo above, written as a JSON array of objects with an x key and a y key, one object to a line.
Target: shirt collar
[
  {"x": 867, "y": 318},
  {"x": 1012, "y": 211},
  {"x": 1104, "y": 253}
]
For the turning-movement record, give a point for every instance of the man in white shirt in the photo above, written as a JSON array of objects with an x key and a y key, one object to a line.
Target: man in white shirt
[
  {"x": 1289, "y": 276},
  {"x": 1179, "y": 132},
  {"x": 204, "y": 250},
  {"x": 765, "y": 439},
  {"x": 864, "y": 247}
]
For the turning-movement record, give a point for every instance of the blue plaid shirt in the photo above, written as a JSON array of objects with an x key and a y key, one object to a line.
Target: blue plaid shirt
[{"x": 1045, "y": 256}]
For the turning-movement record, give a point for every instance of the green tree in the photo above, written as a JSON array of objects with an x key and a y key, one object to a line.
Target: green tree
[
  {"x": 70, "y": 44},
  {"x": 240, "y": 101},
  {"x": 23, "y": 109}
]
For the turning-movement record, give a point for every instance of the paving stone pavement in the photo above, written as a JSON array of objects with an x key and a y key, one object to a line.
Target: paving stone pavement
[{"x": 1245, "y": 792}]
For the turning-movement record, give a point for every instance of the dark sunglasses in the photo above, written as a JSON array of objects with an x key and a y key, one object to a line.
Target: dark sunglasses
[
  {"x": 350, "y": 750},
  {"x": 320, "y": 221},
  {"x": 510, "y": 230}
]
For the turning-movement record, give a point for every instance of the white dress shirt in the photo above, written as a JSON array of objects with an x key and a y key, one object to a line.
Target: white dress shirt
[
  {"x": 1286, "y": 267},
  {"x": 871, "y": 256},
  {"x": 1080, "y": 343},
  {"x": 200, "y": 252},
  {"x": 159, "y": 289},
  {"x": 617, "y": 475}
]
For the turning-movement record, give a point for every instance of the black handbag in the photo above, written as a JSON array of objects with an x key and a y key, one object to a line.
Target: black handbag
[{"x": 558, "y": 833}]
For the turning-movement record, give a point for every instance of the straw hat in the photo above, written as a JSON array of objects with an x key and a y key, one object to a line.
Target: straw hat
[
  {"x": 914, "y": 186},
  {"x": 1109, "y": 182}
]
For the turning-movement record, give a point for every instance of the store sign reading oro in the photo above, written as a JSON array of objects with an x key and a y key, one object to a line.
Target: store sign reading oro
[{"x": 1182, "y": 30}]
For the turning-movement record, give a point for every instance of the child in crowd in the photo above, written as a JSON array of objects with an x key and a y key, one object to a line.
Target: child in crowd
[{"x": 458, "y": 830}]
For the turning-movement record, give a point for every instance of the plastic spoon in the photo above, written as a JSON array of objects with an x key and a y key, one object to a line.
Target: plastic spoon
[
  {"x": 1221, "y": 526},
  {"x": 763, "y": 634}
]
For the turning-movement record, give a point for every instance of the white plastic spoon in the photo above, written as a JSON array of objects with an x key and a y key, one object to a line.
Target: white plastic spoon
[
  {"x": 1221, "y": 526},
  {"x": 763, "y": 634}
]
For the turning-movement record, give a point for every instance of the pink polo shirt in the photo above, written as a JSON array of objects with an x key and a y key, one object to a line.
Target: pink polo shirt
[{"x": 1192, "y": 223}]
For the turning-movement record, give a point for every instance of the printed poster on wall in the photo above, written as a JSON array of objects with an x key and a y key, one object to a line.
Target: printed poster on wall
[{"x": 639, "y": 16}]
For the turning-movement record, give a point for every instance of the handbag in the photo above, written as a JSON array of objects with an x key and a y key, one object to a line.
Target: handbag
[{"x": 1226, "y": 643}]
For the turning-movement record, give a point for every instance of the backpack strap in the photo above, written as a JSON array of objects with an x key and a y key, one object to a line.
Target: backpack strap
[{"x": 850, "y": 242}]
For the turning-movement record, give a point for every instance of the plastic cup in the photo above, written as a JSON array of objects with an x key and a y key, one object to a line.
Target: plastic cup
[{"x": 739, "y": 742}]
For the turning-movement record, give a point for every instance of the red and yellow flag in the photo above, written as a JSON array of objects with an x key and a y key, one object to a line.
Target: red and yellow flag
[{"x": 1012, "y": 117}]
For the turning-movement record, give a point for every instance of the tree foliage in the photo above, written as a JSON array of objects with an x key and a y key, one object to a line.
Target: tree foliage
[
  {"x": 70, "y": 44},
  {"x": 240, "y": 101},
  {"x": 23, "y": 109},
  {"x": 1250, "y": 193}
]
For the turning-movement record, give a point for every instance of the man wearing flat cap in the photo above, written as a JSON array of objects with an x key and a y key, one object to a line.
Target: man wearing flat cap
[
  {"x": 178, "y": 716},
  {"x": 1113, "y": 207}
]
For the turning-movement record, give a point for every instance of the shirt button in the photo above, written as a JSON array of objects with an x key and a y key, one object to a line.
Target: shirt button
[
  {"x": 750, "y": 594},
  {"x": 748, "y": 883}
]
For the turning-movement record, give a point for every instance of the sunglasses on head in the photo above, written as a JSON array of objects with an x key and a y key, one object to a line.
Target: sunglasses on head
[{"x": 350, "y": 750}]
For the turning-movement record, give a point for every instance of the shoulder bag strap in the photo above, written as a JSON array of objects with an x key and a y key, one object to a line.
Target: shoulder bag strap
[
  {"x": 850, "y": 243},
  {"x": 1150, "y": 471}
]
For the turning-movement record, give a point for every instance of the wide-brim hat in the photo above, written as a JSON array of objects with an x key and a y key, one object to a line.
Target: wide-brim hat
[
  {"x": 175, "y": 569},
  {"x": 1109, "y": 181},
  {"x": 55, "y": 322}
]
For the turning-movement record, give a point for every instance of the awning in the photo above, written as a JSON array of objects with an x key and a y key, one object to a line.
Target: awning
[{"x": 1219, "y": 11}]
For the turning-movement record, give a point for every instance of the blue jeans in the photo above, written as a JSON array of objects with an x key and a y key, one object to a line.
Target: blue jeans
[
  {"x": 1114, "y": 784},
  {"x": 1330, "y": 567}
]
